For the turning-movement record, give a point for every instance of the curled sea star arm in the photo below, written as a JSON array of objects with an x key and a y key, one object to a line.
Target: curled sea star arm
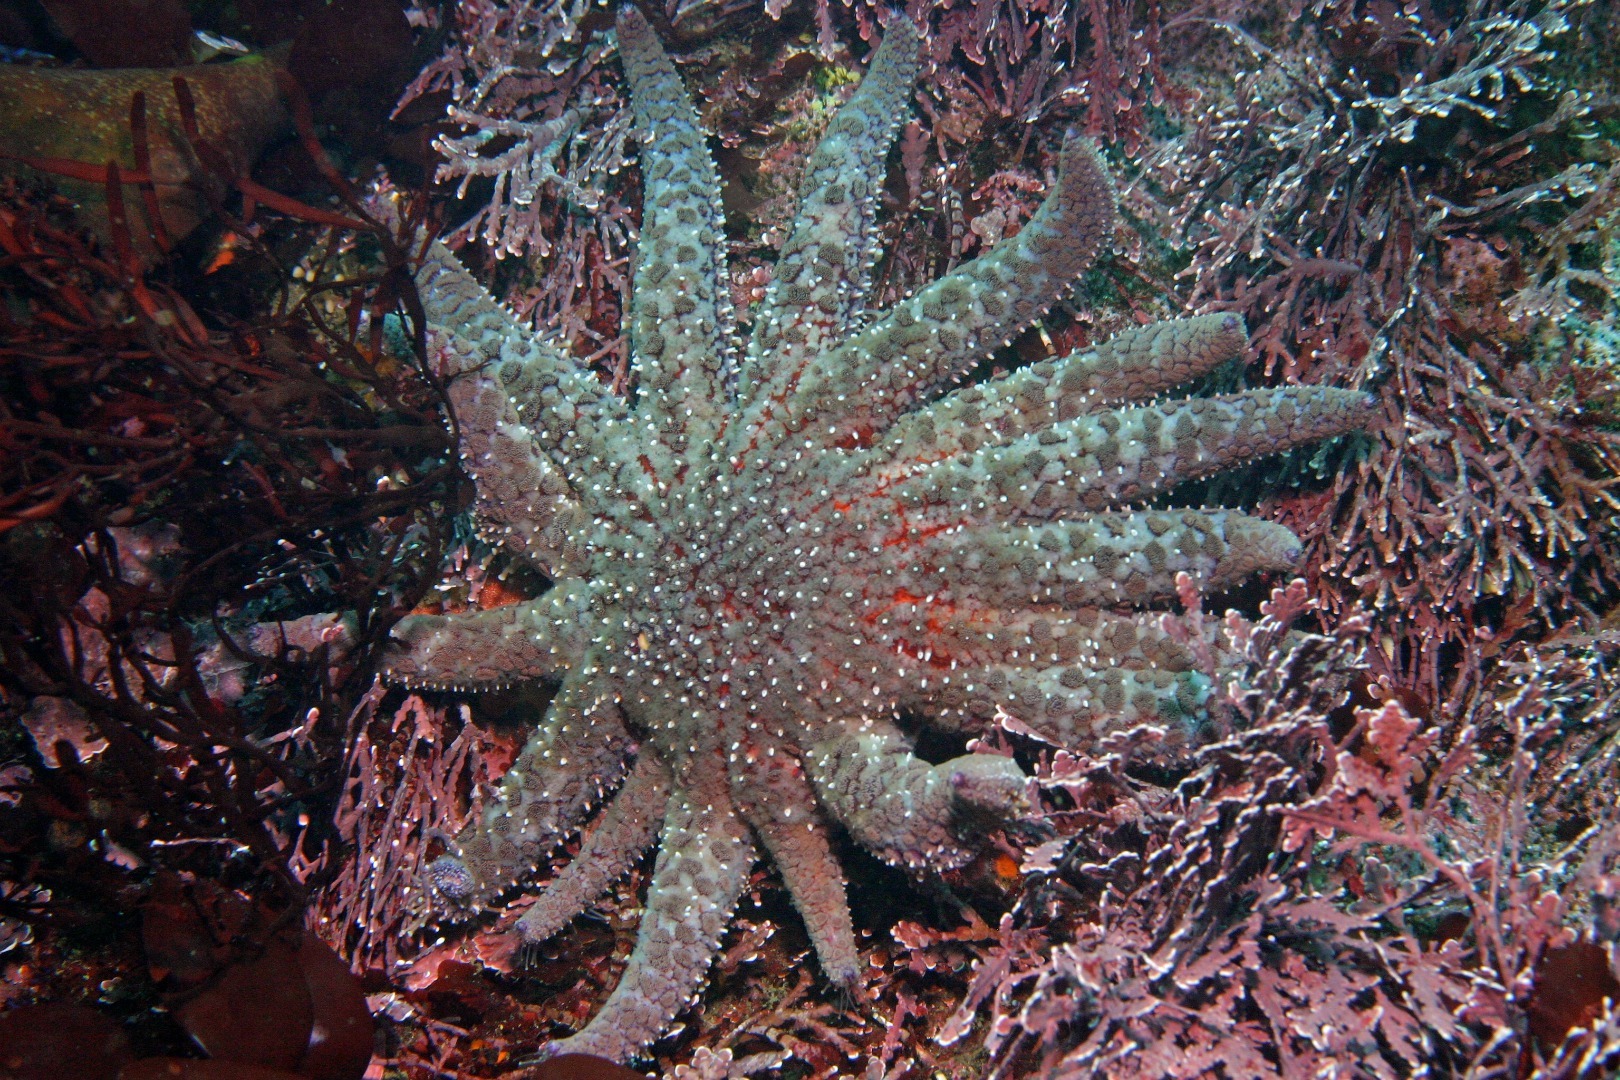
[
  {"x": 704, "y": 857},
  {"x": 942, "y": 331},
  {"x": 679, "y": 306},
  {"x": 776, "y": 799},
  {"x": 488, "y": 649},
  {"x": 1101, "y": 560},
  {"x": 824, "y": 274},
  {"x": 627, "y": 828},
  {"x": 1133, "y": 365},
  {"x": 566, "y": 406},
  {"x": 575, "y": 753},
  {"x": 903, "y": 809},
  {"x": 1103, "y": 461}
]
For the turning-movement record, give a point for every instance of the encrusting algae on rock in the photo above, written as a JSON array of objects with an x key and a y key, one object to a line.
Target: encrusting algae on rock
[{"x": 770, "y": 553}]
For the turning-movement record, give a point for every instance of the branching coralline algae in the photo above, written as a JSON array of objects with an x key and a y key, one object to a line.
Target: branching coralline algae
[{"x": 765, "y": 558}]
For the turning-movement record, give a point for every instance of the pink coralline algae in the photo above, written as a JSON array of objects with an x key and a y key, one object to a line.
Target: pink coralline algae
[{"x": 773, "y": 551}]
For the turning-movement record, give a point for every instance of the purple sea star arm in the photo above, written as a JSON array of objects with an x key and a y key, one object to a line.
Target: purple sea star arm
[
  {"x": 576, "y": 753},
  {"x": 679, "y": 305},
  {"x": 628, "y": 827},
  {"x": 704, "y": 857},
  {"x": 824, "y": 274},
  {"x": 1100, "y": 560},
  {"x": 1134, "y": 365},
  {"x": 937, "y": 335},
  {"x": 903, "y": 809},
  {"x": 496, "y": 648},
  {"x": 774, "y": 796},
  {"x": 1098, "y": 462}
]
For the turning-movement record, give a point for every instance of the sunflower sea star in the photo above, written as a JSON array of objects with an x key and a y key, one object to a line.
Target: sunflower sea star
[{"x": 769, "y": 554}]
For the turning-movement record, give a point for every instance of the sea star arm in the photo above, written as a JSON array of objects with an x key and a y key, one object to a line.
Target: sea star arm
[
  {"x": 775, "y": 797},
  {"x": 704, "y": 857},
  {"x": 1069, "y": 706},
  {"x": 575, "y": 753},
  {"x": 824, "y": 273},
  {"x": 489, "y": 649},
  {"x": 1088, "y": 638},
  {"x": 679, "y": 306},
  {"x": 900, "y": 807},
  {"x": 1100, "y": 560},
  {"x": 522, "y": 497},
  {"x": 941, "y": 332},
  {"x": 627, "y": 828},
  {"x": 568, "y": 409},
  {"x": 1071, "y": 676},
  {"x": 1134, "y": 365},
  {"x": 1098, "y": 462}
]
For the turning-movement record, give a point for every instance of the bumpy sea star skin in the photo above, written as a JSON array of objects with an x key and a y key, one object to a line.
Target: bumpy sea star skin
[{"x": 765, "y": 558}]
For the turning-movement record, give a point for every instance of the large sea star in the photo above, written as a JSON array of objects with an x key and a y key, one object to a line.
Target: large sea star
[{"x": 767, "y": 557}]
